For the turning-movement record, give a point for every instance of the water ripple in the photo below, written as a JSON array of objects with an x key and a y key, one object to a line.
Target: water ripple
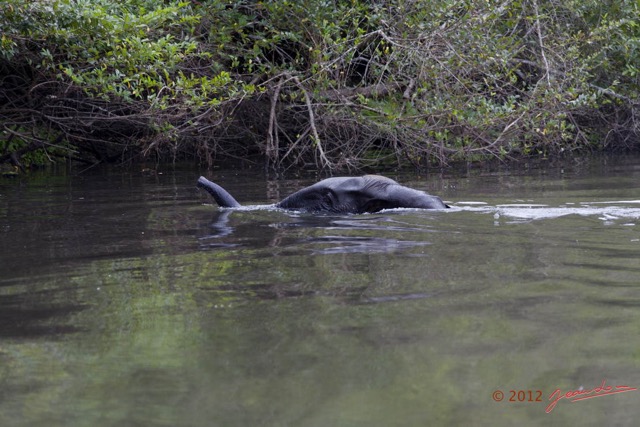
[{"x": 606, "y": 211}]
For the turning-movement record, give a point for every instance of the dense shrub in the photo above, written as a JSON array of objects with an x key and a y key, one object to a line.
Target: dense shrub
[{"x": 329, "y": 83}]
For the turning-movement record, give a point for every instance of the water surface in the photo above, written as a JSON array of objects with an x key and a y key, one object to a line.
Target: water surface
[{"x": 128, "y": 299}]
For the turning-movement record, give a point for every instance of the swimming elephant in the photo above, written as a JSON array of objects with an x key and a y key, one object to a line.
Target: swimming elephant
[{"x": 364, "y": 194}]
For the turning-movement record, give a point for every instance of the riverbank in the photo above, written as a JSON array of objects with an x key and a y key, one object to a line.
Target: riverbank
[{"x": 314, "y": 85}]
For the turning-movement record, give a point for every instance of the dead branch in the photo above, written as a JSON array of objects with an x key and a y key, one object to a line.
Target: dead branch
[
  {"x": 325, "y": 162},
  {"x": 372, "y": 91},
  {"x": 273, "y": 142}
]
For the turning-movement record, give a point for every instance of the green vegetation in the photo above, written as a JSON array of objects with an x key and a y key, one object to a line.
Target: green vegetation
[{"x": 335, "y": 84}]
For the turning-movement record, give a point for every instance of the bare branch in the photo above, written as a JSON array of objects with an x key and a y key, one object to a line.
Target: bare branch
[
  {"x": 547, "y": 74},
  {"x": 325, "y": 162},
  {"x": 273, "y": 142}
]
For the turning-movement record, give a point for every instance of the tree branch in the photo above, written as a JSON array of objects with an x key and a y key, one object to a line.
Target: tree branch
[{"x": 312, "y": 124}]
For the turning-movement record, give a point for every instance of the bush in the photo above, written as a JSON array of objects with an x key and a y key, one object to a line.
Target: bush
[{"x": 335, "y": 84}]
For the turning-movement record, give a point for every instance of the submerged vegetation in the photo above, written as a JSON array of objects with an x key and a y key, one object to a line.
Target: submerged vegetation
[{"x": 331, "y": 83}]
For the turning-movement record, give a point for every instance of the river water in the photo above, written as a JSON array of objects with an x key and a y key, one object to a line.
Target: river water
[{"x": 128, "y": 299}]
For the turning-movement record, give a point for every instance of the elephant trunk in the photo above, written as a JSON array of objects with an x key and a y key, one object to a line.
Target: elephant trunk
[{"x": 221, "y": 196}]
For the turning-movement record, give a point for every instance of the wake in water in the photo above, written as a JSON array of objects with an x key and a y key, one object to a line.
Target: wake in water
[{"x": 607, "y": 211}]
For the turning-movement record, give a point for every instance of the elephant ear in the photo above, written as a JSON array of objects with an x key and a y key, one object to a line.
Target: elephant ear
[{"x": 310, "y": 199}]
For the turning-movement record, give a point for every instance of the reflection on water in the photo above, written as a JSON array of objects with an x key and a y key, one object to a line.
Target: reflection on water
[
  {"x": 356, "y": 233},
  {"x": 124, "y": 300}
]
